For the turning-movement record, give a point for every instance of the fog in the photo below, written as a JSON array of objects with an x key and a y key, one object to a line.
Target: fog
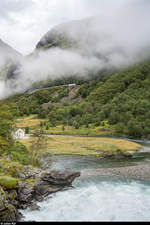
[{"x": 104, "y": 41}]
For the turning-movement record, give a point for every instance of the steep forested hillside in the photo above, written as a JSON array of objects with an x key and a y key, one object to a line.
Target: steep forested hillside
[{"x": 122, "y": 101}]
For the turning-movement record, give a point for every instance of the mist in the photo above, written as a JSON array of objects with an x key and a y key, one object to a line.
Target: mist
[{"x": 102, "y": 41}]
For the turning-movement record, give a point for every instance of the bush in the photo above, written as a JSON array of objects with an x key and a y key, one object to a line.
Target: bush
[{"x": 20, "y": 153}]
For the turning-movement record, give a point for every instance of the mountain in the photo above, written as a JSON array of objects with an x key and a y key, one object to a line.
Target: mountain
[
  {"x": 90, "y": 41},
  {"x": 75, "y": 51},
  {"x": 7, "y": 52},
  {"x": 119, "y": 104},
  {"x": 64, "y": 35},
  {"x": 9, "y": 59}
]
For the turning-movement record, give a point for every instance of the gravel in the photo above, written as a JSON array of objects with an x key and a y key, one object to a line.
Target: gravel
[{"x": 141, "y": 172}]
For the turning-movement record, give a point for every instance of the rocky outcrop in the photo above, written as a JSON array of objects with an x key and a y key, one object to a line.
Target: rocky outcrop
[
  {"x": 39, "y": 184},
  {"x": 60, "y": 178},
  {"x": 8, "y": 212},
  {"x": 35, "y": 185}
]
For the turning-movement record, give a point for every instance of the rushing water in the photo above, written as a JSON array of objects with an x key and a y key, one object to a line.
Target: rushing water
[{"x": 95, "y": 197}]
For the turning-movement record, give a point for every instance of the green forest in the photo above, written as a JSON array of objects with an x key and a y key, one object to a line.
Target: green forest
[{"x": 122, "y": 100}]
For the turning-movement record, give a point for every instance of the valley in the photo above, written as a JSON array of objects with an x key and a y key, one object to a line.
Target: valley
[{"x": 75, "y": 114}]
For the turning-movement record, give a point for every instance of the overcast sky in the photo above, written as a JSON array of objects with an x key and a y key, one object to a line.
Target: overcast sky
[{"x": 24, "y": 22}]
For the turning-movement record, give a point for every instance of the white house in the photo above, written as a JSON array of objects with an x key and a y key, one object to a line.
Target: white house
[{"x": 19, "y": 134}]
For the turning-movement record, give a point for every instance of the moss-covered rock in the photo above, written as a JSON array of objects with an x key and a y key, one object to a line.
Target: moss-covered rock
[
  {"x": 8, "y": 182},
  {"x": 9, "y": 167},
  {"x": 10, "y": 214},
  {"x": 3, "y": 194}
]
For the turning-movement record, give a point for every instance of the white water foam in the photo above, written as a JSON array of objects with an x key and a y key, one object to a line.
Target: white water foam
[{"x": 96, "y": 201}]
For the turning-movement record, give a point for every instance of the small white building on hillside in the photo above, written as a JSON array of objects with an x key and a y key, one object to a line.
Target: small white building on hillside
[{"x": 19, "y": 134}]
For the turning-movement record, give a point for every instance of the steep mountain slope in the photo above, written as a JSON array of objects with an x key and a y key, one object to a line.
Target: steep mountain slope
[
  {"x": 7, "y": 52},
  {"x": 65, "y": 35},
  {"x": 9, "y": 58},
  {"x": 121, "y": 103}
]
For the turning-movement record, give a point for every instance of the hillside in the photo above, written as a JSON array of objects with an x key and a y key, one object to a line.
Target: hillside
[
  {"x": 7, "y": 52},
  {"x": 65, "y": 35},
  {"x": 9, "y": 59},
  {"x": 120, "y": 104}
]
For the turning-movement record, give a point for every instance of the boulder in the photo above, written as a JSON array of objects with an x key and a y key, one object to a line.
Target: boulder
[
  {"x": 43, "y": 190},
  {"x": 60, "y": 178}
]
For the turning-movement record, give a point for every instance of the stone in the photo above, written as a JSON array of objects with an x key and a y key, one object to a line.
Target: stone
[
  {"x": 44, "y": 190},
  {"x": 29, "y": 172},
  {"x": 25, "y": 193},
  {"x": 60, "y": 178},
  {"x": 34, "y": 206},
  {"x": 8, "y": 212}
]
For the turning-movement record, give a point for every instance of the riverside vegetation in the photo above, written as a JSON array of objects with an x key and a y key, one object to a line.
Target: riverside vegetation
[{"x": 20, "y": 182}]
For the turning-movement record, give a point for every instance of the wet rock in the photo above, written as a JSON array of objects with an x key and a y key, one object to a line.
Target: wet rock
[
  {"x": 43, "y": 190},
  {"x": 60, "y": 178},
  {"x": 34, "y": 206}
]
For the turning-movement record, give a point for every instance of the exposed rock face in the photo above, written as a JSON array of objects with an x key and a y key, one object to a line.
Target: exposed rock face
[
  {"x": 60, "y": 178},
  {"x": 43, "y": 184},
  {"x": 25, "y": 192},
  {"x": 36, "y": 184}
]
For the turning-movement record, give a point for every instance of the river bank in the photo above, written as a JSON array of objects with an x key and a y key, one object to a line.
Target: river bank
[
  {"x": 107, "y": 190},
  {"x": 139, "y": 172},
  {"x": 35, "y": 184},
  {"x": 85, "y": 146},
  {"x": 29, "y": 186}
]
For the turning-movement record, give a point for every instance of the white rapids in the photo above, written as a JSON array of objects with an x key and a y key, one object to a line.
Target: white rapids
[{"x": 96, "y": 199}]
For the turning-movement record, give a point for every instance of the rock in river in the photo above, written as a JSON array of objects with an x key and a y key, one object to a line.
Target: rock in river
[{"x": 35, "y": 185}]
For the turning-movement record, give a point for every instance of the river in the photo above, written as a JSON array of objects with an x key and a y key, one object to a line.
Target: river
[{"x": 96, "y": 197}]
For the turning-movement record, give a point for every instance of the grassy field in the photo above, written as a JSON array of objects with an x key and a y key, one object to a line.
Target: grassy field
[
  {"x": 34, "y": 124},
  {"x": 61, "y": 145},
  {"x": 30, "y": 121},
  {"x": 84, "y": 146}
]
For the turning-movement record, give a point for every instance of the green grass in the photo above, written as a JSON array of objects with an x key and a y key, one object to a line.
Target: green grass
[
  {"x": 84, "y": 146},
  {"x": 8, "y": 182},
  {"x": 34, "y": 124}
]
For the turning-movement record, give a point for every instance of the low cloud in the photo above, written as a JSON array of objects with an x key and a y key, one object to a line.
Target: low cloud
[{"x": 104, "y": 41}]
